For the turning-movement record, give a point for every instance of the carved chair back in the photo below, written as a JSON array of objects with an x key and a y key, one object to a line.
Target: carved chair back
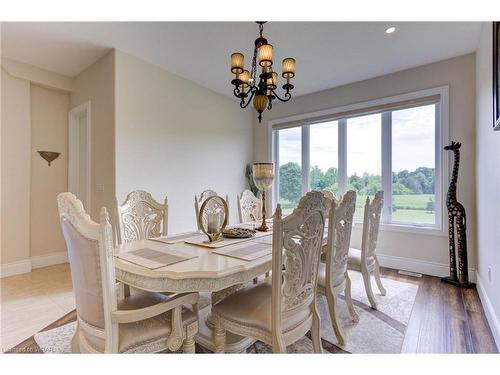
[
  {"x": 90, "y": 253},
  {"x": 297, "y": 241},
  {"x": 371, "y": 224},
  {"x": 141, "y": 217},
  {"x": 339, "y": 236},
  {"x": 198, "y": 202},
  {"x": 248, "y": 207},
  {"x": 330, "y": 197}
]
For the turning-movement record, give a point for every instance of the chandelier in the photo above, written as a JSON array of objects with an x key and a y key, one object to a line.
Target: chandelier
[{"x": 261, "y": 90}]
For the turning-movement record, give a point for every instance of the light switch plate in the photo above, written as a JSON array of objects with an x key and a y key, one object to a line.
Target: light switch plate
[{"x": 100, "y": 188}]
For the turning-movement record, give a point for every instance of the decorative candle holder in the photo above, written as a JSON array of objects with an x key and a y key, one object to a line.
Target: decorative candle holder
[
  {"x": 263, "y": 176},
  {"x": 210, "y": 217}
]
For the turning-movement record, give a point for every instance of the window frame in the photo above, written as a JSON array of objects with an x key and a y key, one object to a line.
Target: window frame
[{"x": 441, "y": 139}]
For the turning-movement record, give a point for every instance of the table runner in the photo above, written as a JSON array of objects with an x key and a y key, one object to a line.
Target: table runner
[{"x": 225, "y": 241}]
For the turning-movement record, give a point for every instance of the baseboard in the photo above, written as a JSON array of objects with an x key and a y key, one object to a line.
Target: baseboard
[
  {"x": 25, "y": 266},
  {"x": 49, "y": 259},
  {"x": 15, "y": 268},
  {"x": 420, "y": 266},
  {"x": 489, "y": 311}
]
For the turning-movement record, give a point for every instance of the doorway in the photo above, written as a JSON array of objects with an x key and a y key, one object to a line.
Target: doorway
[{"x": 79, "y": 161}]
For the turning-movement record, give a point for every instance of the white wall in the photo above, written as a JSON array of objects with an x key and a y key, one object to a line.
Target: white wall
[
  {"x": 488, "y": 183},
  {"x": 177, "y": 138},
  {"x": 49, "y": 132},
  {"x": 422, "y": 253}
]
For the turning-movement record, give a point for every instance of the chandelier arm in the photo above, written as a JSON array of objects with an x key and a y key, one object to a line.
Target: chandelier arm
[
  {"x": 286, "y": 98},
  {"x": 237, "y": 92},
  {"x": 242, "y": 102}
]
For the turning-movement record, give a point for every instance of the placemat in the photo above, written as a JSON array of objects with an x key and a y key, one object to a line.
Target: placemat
[
  {"x": 249, "y": 251},
  {"x": 176, "y": 238},
  {"x": 152, "y": 259}
]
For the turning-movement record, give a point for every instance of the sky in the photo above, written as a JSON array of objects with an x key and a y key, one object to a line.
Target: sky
[{"x": 412, "y": 145}]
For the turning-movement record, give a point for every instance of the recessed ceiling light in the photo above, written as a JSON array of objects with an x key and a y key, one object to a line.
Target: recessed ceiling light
[{"x": 390, "y": 30}]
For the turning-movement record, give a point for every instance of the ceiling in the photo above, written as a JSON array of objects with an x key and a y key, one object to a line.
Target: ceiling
[{"x": 328, "y": 54}]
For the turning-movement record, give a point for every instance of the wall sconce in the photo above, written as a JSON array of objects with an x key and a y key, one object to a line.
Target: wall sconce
[{"x": 49, "y": 156}]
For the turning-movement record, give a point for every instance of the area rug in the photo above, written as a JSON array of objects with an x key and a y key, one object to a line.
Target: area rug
[{"x": 378, "y": 331}]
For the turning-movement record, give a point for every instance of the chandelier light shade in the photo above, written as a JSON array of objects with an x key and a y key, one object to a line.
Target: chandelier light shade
[
  {"x": 259, "y": 84},
  {"x": 288, "y": 67},
  {"x": 244, "y": 77},
  {"x": 272, "y": 83},
  {"x": 266, "y": 55},
  {"x": 237, "y": 63}
]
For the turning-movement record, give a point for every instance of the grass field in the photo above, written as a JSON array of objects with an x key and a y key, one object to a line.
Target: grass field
[{"x": 409, "y": 208}]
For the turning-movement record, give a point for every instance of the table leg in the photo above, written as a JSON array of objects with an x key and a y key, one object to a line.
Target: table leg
[{"x": 205, "y": 336}]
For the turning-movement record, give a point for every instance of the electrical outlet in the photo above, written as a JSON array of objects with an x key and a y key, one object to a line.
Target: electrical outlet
[
  {"x": 489, "y": 274},
  {"x": 100, "y": 188}
]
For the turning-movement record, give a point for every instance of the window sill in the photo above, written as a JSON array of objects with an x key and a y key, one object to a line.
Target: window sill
[{"x": 407, "y": 228}]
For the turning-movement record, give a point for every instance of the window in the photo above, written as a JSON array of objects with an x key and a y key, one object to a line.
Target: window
[
  {"x": 364, "y": 158},
  {"x": 413, "y": 165},
  {"x": 324, "y": 170},
  {"x": 366, "y": 150},
  {"x": 290, "y": 167}
]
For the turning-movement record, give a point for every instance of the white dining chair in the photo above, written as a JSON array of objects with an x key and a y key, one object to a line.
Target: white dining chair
[
  {"x": 333, "y": 278},
  {"x": 141, "y": 217},
  {"x": 249, "y": 207},
  {"x": 142, "y": 323},
  {"x": 198, "y": 202},
  {"x": 281, "y": 312},
  {"x": 365, "y": 259}
]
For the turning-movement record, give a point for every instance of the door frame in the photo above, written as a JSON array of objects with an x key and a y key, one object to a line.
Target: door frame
[{"x": 73, "y": 138}]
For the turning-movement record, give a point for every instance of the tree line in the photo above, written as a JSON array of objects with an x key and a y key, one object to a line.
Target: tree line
[{"x": 419, "y": 181}]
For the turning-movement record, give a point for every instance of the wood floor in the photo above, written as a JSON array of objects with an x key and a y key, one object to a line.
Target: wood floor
[{"x": 445, "y": 319}]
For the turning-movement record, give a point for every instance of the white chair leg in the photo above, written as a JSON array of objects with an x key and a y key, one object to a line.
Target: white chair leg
[
  {"x": 348, "y": 299},
  {"x": 378, "y": 280},
  {"x": 316, "y": 331},
  {"x": 219, "y": 336},
  {"x": 368, "y": 289},
  {"x": 332, "y": 308}
]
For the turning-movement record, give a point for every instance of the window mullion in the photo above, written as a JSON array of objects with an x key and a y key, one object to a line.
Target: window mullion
[
  {"x": 305, "y": 159},
  {"x": 387, "y": 166},
  {"x": 342, "y": 156}
]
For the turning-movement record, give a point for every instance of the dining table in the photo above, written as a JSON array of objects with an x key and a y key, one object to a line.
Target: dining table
[{"x": 204, "y": 270}]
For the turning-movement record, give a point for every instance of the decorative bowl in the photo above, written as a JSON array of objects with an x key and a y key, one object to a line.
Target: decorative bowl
[{"x": 238, "y": 233}]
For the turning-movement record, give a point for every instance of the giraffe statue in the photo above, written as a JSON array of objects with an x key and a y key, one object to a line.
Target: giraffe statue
[{"x": 456, "y": 220}]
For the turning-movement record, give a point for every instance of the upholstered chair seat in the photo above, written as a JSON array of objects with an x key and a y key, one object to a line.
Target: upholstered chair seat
[
  {"x": 134, "y": 336},
  {"x": 250, "y": 307},
  {"x": 355, "y": 259},
  {"x": 339, "y": 279}
]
